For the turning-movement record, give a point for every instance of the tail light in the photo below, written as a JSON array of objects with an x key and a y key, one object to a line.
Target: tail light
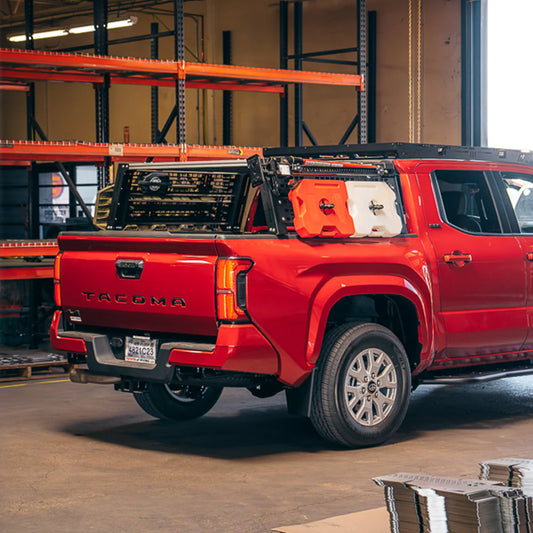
[
  {"x": 231, "y": 289},
  {"x": 57, "y": 271}
]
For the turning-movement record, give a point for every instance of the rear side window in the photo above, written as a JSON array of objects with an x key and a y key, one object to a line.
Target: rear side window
[
  {"x": 466, "y": 201},
  {"x": 519, "y": 189}
]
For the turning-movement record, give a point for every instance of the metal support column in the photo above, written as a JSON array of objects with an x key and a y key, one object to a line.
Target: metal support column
[
  {"x": 34, "y": 300},
  {"x": 33, "y": 203},
  {"x": 30, "y": 95},
  {"x": 473, "y": 67},
  {"x": 371, "y": 76},
  {"x": 179, "y": 47},
  {"x": 33, "y": 182},
  {"x": 101, "y": 91},
  {"x": 298, "y": 46},
  {"x": 361, "y": 46},
  {"x": 284, "y": 63},
  {"x": 322, "y": 56},
  {"x": 154, "y": 91},
  {"x": 227, "y": 96}
]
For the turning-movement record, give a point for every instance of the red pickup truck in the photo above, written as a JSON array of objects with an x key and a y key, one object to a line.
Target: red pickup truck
[{"x": 344, "y": 275}]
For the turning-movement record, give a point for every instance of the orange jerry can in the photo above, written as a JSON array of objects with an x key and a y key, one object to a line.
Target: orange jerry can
[{"x": 320, "y": 209}]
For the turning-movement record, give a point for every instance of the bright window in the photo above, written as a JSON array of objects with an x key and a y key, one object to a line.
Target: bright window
[{"x": 510, "y": 77}]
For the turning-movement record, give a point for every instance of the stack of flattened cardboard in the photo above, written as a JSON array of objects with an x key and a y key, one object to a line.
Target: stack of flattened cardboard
[
  {"x": 517, "y": 473},
  {"x": 511, "y": 471},
  {"x": 419, "y": 503},
  {"x": 400, "y": 502},
  {"x": 410, "y": 505}
]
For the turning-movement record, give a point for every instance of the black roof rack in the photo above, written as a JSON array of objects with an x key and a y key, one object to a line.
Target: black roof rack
[{"x": 404, "y": 151}]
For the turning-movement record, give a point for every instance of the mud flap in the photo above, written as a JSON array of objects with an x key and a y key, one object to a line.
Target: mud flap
[{"x": 299, "y": 398}]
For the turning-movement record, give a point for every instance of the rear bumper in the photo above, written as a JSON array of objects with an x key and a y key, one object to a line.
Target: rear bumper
[{"x": 239, "y": 348}]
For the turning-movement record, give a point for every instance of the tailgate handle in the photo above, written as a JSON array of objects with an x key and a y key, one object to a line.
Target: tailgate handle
[{"x": 129, "y": 268}]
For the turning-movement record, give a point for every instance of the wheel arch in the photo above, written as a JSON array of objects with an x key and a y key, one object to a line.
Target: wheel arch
[{"x": 391, "y": 301}]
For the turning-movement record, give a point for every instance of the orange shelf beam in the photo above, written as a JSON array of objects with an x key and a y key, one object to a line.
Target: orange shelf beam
[
  {"x": 25, "y": 151},
  {"x": 14, "y": 86},
  {"x": 273, "y": 75},
  {"x": 26, "y": 272},
  {"x": 17, "y": 75},
  {"x": 30, "y": 65},
  {"x": 28, "y": 248},
  {"x": 14, "y": 252}
]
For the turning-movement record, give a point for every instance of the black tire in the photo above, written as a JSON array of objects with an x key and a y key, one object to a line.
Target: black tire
[
  {"x": 362, "y": 385},
  {"x": 177, "y": 403}
]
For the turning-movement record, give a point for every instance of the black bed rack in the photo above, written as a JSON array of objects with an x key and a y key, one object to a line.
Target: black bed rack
[{"x": 277, "y": 175}]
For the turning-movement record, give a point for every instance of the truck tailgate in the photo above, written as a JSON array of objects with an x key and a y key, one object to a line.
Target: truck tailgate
[{"x": 161, "y": 284}]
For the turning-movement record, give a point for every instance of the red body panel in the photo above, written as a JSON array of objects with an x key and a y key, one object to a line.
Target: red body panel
[{"x": 294, "y": 284}]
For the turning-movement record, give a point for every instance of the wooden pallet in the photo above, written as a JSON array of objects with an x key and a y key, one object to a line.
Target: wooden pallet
[{"x": 19, "y": 368}]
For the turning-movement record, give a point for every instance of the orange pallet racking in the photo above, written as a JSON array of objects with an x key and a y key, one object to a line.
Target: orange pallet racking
[
  {"x": 19, "y": 66},
  {"x": 27, "y": 259},
  {"x": 30, "y": 65},
  {"x": 25, "y": 152}
]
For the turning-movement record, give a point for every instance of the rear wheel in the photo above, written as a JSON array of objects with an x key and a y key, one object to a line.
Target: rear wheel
[
  {"x": 177, "y": 402},
  {"x": 362, "y": 385}
]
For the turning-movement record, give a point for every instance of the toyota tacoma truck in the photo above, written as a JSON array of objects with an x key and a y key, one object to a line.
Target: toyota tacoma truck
[{"x": 342, "y": 275}]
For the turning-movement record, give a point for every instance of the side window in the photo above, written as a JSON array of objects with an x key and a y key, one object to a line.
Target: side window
[
  {"x": 520, "y": 191},
  {"x": 466, "y": 201}
]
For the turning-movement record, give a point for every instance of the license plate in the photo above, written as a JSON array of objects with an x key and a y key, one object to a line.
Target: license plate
[{"x": 141, "y": 350}]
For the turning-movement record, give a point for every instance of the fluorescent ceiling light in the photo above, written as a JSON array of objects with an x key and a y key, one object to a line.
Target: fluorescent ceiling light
[
  {"x": 82, "y": 29},
  {"x": 123, "y": 23},
  {"x": 40, "y": 35},
  {"x": 17, "y": 38}
]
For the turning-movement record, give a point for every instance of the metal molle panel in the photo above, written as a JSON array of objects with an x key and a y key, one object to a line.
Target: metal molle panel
[{"x": 184, "y": 201}]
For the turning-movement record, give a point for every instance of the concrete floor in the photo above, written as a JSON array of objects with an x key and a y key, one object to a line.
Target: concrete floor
[{"x": 86, "y": 458}]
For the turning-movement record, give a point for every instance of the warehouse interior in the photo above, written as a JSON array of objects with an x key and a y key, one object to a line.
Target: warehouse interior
[
  {"x": 85, "y": 86},
  {"x": 404, "y": 97}
]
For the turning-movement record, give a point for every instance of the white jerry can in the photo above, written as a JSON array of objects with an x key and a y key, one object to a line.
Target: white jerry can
[{"x": 372, "y": 205}]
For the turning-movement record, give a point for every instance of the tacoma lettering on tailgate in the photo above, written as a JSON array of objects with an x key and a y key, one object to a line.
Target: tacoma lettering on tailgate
[{"x": 135, "y": 299}]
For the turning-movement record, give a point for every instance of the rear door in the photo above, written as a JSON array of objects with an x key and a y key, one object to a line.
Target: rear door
[
  {"x": 481, "y": 270},
  {"x": 517, "y": 193}
]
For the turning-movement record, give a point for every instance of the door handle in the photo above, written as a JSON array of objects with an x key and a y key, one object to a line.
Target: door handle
[
  {"x": 458, "y": 258},
  {"x": 529, "y": 256}
]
